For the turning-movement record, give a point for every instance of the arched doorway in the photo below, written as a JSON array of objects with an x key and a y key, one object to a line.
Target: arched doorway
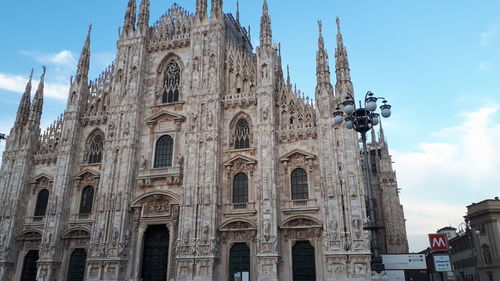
[
  {"x": 239, "y": 262},
  {"x": 155, "y": 253},
  {"x": 304, "y": 264},
  {"x": 29, "y": 266},
  {"x": 77, "y": 261}
]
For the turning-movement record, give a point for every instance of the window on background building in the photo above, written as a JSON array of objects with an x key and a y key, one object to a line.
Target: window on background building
[
  {"x": 171, "y": 83},
  {"x": 242, "y": 134},
  {"x": 87, "y": 200},
  {"x": 164, "y": 152},
  {"x": 240, "y": 189},
  {"x": 300, "y": 189},
  {"x": 41, "y": 203}
]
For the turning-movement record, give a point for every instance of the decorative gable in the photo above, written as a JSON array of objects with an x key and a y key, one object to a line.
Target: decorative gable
[
  {"x": 298, "y": 159},
  {"x": 239, "y": 164},
  {"x": 165, "y": 121},
  {"x": 87, "y": 177}
]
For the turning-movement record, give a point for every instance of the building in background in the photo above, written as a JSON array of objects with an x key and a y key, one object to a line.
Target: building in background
[
  {"x": 484, "y": 221},
  {"x": 192, "y": 157}
]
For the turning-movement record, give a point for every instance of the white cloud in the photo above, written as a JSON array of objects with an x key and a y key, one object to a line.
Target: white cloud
[
  {"x": 461, "y": 168},
  {"x": 17, "y": 83},
  {"x": 487, "y": 36},
  {"x": 62, "y": 58},
  {"x": 485, "y": 65}
]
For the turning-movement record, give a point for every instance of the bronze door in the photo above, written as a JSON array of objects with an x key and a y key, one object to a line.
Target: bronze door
[
  {"x": 77, "y": 261},
  {"x": 304, "y": 265},
  {"x": 155, "y": 254},
  {"x": 29, "y": 266}
]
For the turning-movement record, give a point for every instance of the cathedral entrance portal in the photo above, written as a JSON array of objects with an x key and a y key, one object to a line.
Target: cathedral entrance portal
[
  {"x": 239, "y": 262},
  {"x": 29, "y": 266},
  {"x": 77, "y": 261},
  {"x": 155, "y": 254},
  {"x": 304, "y": 265}
]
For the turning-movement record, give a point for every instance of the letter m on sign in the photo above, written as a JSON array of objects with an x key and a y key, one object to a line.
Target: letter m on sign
[{"x": 438, "y": 242}]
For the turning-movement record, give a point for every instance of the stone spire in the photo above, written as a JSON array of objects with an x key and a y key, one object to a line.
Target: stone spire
[
  {"x": 84, "y": 61},
  {"x": 201, "y": 8},
  {"x": 288, "y": 80},
  {"x": 342, "y": 63},
  {"x": 266, "y": 35},
  {"x": 238, "y": 12},
  {"x": 24, "y": 106},
  {"x": 216, "y": 12},
  {"x": 322, "y": 66},
  {"x": 130, "y": 17},
  {"x": 143, "y": 23},
  {"x": 381, "y": 135},
  {"x": 37, "y": 105}
]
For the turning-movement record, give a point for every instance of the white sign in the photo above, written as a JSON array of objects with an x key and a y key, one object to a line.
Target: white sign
[
  {"x": 396, "y": 275},
  {"x": 401, "y": 262},
  {"x": 442, "y": 263}
]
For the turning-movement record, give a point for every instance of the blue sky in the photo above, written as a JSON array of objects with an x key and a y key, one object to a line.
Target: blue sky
[{"x": 438, "y": 62}]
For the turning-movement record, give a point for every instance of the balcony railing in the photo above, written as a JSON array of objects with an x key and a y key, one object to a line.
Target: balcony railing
[
  {"x": 240, "y": 209},
  {"x": 310, "y": 205},
  {"x": 173, "y": 175}
]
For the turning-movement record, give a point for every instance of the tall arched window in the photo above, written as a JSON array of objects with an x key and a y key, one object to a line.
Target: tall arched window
[
  {"x": 41, "y": 203},
  {"x": 171, "y": 83},
  {"x": 240, "y": 189},
  {"x": 87, "y": 200},
  {"x": 300, "y": 190},
  {"x": 242, "y": 134},
  {"x": 239, "y": 262},
  {"x": 95, "y": 145},
  {"x": 164, "y": 152}
]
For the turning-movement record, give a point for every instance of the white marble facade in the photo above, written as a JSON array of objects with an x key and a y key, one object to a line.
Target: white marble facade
[{"x": 192, "y": 130}]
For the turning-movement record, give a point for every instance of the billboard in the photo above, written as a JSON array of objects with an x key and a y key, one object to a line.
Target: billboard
[
  {"x": 442, "y": 263},
  {"x": 404, "y": 261},
  {"x": 438, "y": 242}
]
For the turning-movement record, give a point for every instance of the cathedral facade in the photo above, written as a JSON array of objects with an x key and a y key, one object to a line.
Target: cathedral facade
[{"x": 192, "y": 157}]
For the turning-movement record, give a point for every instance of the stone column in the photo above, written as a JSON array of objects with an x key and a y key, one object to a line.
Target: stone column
[{"x": 138, "y": 251}]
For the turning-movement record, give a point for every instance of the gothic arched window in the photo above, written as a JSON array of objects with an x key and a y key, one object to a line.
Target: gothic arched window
[
  {"x": 87, "y": 200},
  {"x": 171, "y": 83},
  {"x": 164, "y": 152},
  {"x": 300, "y": 190},
  {"x": 242, "y": 134},
  {"x": 41, "y": 203},
  {"x": 95, "y": 145},
  {"x": 240, "y": 189}
]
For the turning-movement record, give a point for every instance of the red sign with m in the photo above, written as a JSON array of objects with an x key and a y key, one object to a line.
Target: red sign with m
[{"x": 438, "y": 242}]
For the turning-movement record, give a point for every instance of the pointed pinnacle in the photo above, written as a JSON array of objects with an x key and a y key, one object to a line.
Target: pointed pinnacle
[
  {"x": 238, "y": 11},
  {"x": 43, "y": 73},
  {"x": 338, "y": 24},
  {"x": 31, "y": 74},
  {"x": 320, "y": 26}
]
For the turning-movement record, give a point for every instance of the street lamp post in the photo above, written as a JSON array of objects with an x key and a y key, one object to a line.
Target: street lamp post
[{"x": 361, "y": 120}]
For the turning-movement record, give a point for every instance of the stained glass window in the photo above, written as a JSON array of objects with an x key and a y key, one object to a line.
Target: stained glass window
[
  {"x": 240, "y": 189},
  {"x": 300, "y": 190},
  {"x": 164, "y": 152},
  {"x": 95, "y": 148},
  {"x": 171, "y": 83},
  {"x": 41, "y": 203},
  {"x": 242, "y": 134},
  {"x": 87, "y": 200}
]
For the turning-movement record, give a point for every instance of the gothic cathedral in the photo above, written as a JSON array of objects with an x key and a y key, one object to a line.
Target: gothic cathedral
[{"x": 192, "y": 157}]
